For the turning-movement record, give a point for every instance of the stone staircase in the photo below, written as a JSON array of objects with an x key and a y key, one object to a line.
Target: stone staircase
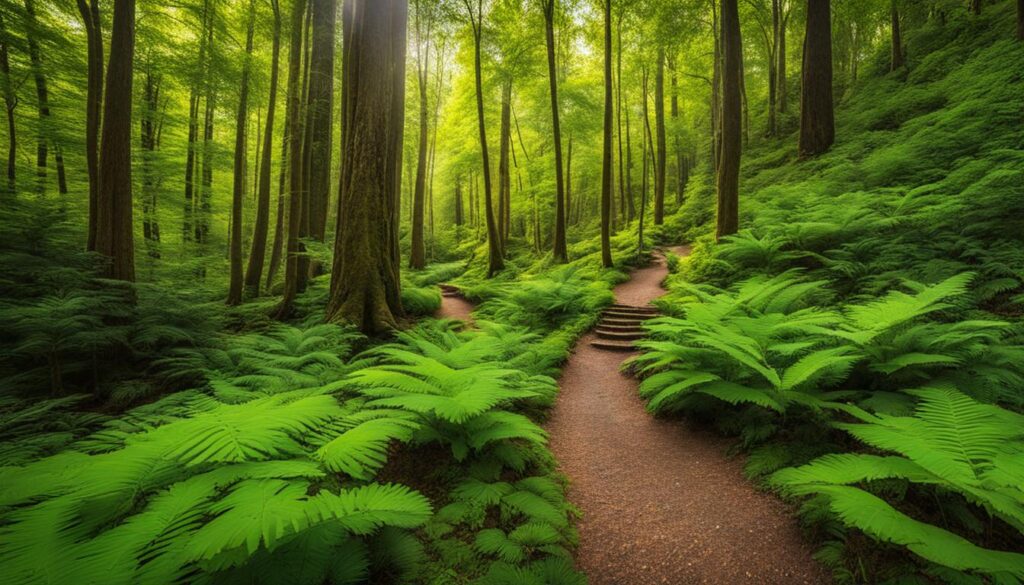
[
  {"x": 621, "y": 325},
  {"x": 448, "y": 290}
]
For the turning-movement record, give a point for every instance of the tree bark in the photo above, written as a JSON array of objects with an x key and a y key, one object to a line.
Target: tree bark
[
  {"x": 976, "y": 7},
  {"x": 46, "y": 131},
  {"x": 660, "y": 155},
  {"x": 729, "y": 165},
  {"x": 618, "y": 119},
  {"x": 559, "y": 249},
  {"x": 294, "y": 278},
  {"x": 90, "y": 12},
  {"x": 365, "y": 288},
  {"x": 418, "y": 253},
  {"x": 606, "y": 162},
  {"x": 780, "y": 68},
  {"x": 817, "y": 125},
  {"x": 319, "y": 116},
  {"x": 504, "y": 171},
  {"x": 258, "y": 252},
  {"x": 114, "y": 237},
  {"x": 148, "y": 130},
  {"x": 238, "y": 186},
  {"x": 10, "y": 103},
  {"x": 496, "y": 261},
  {"x": 897, "y": 43}
]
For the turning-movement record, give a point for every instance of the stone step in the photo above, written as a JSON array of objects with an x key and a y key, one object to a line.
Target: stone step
[
  {"x": 623, "y": 321},
  {"x": 633, "y": 308},
  {"x": 614, "y": 314},
  {"x": 619, "y": 335},
  {"x": 632, "y": 327},
  {"x": 613, "y": 345}
]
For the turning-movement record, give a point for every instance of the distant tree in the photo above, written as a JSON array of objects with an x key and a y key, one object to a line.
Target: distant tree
[
  {"x": 90, "y": 12},
  {"x": 896, "y": 61},
  {"x": 257, "y": 255},
  {"x": 319, "y": 108},
  {"x": 560, "y": 251},
  {"x": 238, "y": 184},
  {"x": 10, "y": 103},
  {"x": 1020, "y": 20},
  {"x": 817, "y": 124},
  {"x": 495, "y": 254},
  {"x": 976, "y": 7},
  {"x": 606, "y": 160},
  {"x": 365, "y": 285},
  {"x": 659, "y": 125},
  {"x": 729, "y": 164},
  {"x": 294, "y": 276},
  {"x": 114, "y": 236},
  {"x": 46, "y": 130},
  {"x": 422, "y": 25}
]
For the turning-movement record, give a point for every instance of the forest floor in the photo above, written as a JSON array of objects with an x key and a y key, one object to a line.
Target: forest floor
[
  {"x": 661, "y": 501},
  {"x": 455, "y": 307}
]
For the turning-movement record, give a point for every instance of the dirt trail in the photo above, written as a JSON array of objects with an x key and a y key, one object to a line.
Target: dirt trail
[
  {"x": 455, "y": 307},
  {"x": 661, "y": 502}
]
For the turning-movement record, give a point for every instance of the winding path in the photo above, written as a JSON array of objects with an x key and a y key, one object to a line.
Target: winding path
[{"x": 661, "y": 502}]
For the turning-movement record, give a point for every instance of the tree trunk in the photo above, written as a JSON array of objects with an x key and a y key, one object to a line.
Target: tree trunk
[
  {"x": 10, "y": 103},
  {"x": 46, "y": 131},
  {"x": 780, "y": 68},
  {"x": 976, "y": 7},
  {"x": 496, "y": 260},
  {"x": 1020, "y": 20},
  {"x": 606, "y": 162},
  {"x": 568, "y": 184},
  {"x": 188, "y": 215},
  {"x": 319, "y": 121},
  {"x": 294, "y": 278},
  {"x": 365, "y": 288},
  {"x": 559, "y": 249},
  {"x": 897, "y": 43},
  {"x": 659, "y": 122},
  {"x": 773, "y": 76},
  {"x": 238, "y": 186},
  {"x": 716, "y": 88},
  {"x": 114, "y": 237},
  {"x": 729, "y": 165},
  {"x": 817, "y": 125},
  {"x": 618, "y": 117},
  {"x": 504, "y": 172},
  {"x": 458, "y": 203},
  {"x": 257, "y": 255},
  {"x": 148, "y": 129},
  {"x": 418, "y": 254},
  {"x": 90, "y": 12}
]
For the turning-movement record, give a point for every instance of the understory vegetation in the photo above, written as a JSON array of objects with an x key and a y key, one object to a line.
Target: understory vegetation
[{"x": 861, "y": 336}]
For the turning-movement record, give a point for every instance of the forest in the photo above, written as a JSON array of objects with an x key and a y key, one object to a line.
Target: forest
[{"x": 512, "y": 292}]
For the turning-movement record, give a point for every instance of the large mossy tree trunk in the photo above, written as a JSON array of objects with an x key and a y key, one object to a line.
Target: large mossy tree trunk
[
  {"x": 114, "y": 236},
  {"x": 365, "y": 285},
  {"x": 90, "y": 12},
  {"x": 729, "y": 163},
  {"x": 238, "y": 184},
  {"x": 559, "y": 249},
  {"x": 294, "y": 277},
  {"x": 258, "y": 252},
  {"x": 606, "y": 159},
  {"x": 817, "y": 122}
]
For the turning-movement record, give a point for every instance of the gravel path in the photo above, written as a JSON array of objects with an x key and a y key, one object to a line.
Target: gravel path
[{"x": 661, "y": 502}]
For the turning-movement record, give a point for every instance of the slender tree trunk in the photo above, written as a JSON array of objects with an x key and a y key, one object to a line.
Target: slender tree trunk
[
  {"x": 151, "y": 106},
  {"x": 46, "y": 131},
  {"x": 10, "y": 103},
  {"x": 257, "y": 255},
  {"x": 716, "y": 88},
  {"x": 294, "y": 277},
  {"x": 90, "y": 12},
  {"x": 630, "y": 206},
  {"x": 729, "y": 166},
  {"x": 676, "y": 142},
  {"x": 504, "y": 173},
  {"x": 281, "y": 221},
  {"x": 606, "y": 162},
  {"x": 648, "y": 145},
  {"x": 568, "y": 183},
  {"x": 659, "y": 122},
  {"x": 238, "y": 192},
  {"x": 773, "y": 65},
  {"x": 418, "y": 255},
  {"x": 114, "y": 237},
  {"x": 780, "y": 68},
  {"x": 496, "y": 261},
  {"x": 458, "y": 203},
  {"x": 560, "y": 252},
  {"x": 188, "y": 222},
  {"x": 618, "y": 117},
  {"x": 320, "y": 120},
  {"x": 817, "y": 125},
  {"x": 1020, "y": 20},
  {"x": 897, "y": 43},
  {"x": 976, "y": 7},
  {"x": 365, "y": 280},
  {"x": 206, "y": 168}
]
